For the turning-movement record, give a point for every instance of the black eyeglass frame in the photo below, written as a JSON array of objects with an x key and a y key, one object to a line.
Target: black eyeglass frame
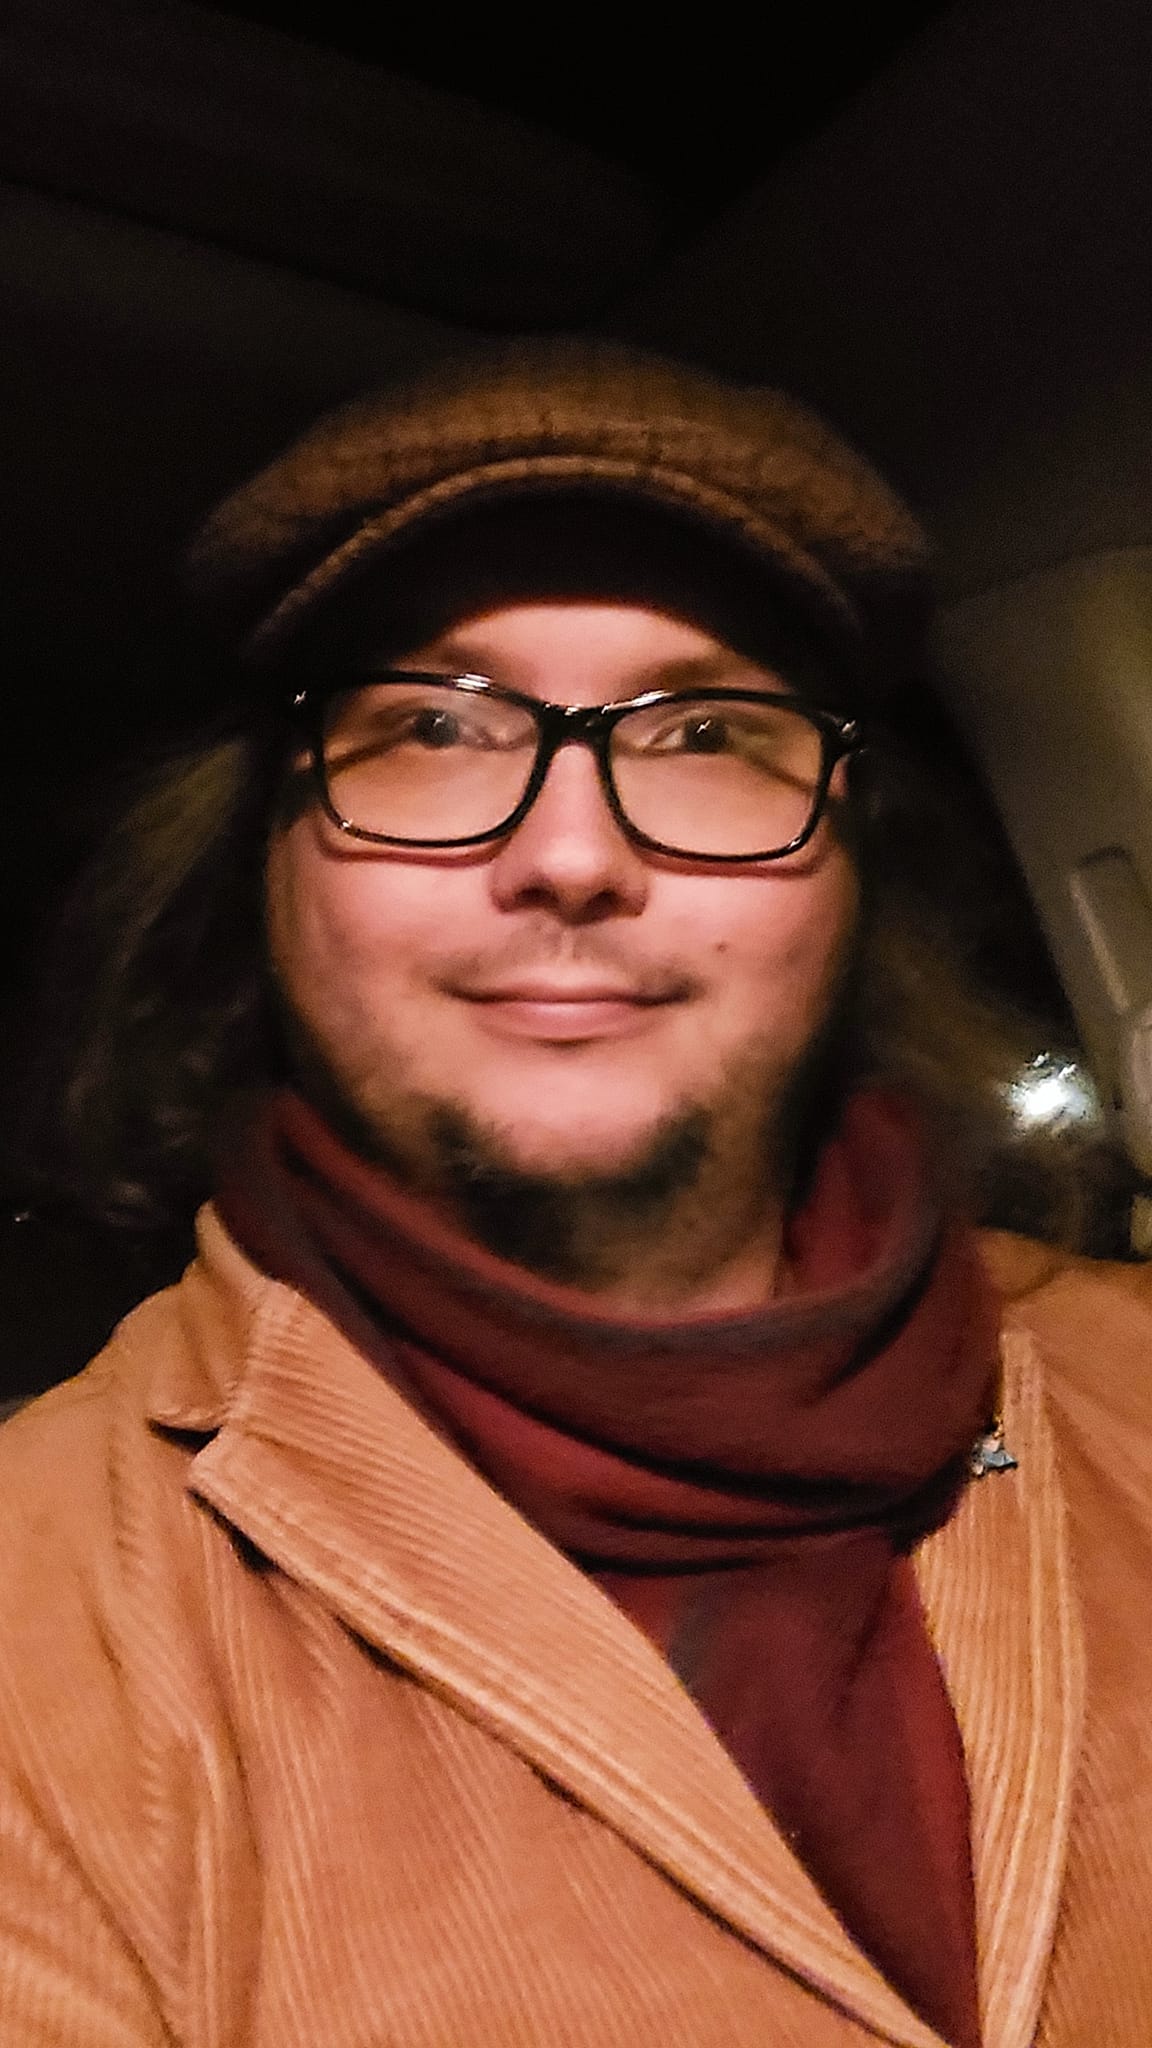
[{"x": 591, "y": 725}]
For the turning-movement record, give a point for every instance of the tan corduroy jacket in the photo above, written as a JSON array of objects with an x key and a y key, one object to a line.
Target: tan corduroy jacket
[{"x": 309, "y": 1740}]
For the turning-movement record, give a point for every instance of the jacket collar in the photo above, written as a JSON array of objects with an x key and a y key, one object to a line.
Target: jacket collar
[{"x": 322, "y": 1465}]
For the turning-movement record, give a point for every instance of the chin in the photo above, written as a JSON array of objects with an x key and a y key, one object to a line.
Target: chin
[
  {"x": 586, "y": 1153},
  {"x": 585, "y": 1157},
  {"x": 566, "y": 1136},
  {"x": 557, "y": 1200}
]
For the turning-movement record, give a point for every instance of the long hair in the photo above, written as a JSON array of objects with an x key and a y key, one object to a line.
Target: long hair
[
  {"x": 153, "y": 1015},
  {"x": 160, "y": 1018}
]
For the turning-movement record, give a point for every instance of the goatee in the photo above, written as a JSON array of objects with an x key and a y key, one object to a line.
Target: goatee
[{"x": 566, "y": 1227}]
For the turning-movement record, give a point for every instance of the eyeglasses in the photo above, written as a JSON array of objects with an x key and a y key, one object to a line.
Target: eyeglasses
[{"x": 405, "y": 758}]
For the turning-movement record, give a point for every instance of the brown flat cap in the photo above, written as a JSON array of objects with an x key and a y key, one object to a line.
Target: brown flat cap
[{"x": 754, "y": 469}]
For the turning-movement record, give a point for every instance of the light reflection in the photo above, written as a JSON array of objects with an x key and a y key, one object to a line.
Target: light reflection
[{"x": 1052, "y": 1093}]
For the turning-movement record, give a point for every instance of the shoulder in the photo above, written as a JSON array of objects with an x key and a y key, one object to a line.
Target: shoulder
[
  {"x": 73, "y": 1464},
  {"x": 95, "y": 1515},
  {"x": 1079, "y": 1309},
  {"x": 53, "y": 1454},
  {"x": 97, "y": 1521},
  {"x": 1087, "y": 1324},
  {"x": 58, "y": 1446},
  {"x": 108, "y": 1653},
  {"x": 69, "y": 1532},
  {"x": 65, "y": 1285},
  {"x": 172, "y": 1362}
]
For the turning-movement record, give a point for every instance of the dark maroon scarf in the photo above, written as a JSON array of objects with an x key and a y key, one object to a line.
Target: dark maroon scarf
[{"x": 747, "y": 1487}]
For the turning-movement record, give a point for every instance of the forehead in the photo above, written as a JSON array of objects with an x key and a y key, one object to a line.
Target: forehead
[
  {"x": 588, "y": 554},
  {"x": 590, "y": 649}
]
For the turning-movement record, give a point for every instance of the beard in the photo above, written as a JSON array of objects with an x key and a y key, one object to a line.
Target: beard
[
  {"x": 710, "y": 1175},
  {"x": 569, "y": 1227}
]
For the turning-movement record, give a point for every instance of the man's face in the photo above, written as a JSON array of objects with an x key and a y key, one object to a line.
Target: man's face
[{"x": 568, "y": 998}]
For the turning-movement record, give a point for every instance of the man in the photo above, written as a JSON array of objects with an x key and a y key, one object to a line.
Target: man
[{"x": 593, "y": 1550}]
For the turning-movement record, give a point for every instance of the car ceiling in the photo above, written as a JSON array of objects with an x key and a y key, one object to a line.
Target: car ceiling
[{"x": 698, "y": 118}]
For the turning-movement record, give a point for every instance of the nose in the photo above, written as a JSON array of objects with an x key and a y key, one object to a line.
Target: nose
[{"x": 569, "y": 854}]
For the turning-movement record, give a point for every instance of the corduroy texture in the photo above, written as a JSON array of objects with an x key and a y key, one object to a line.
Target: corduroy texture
[
  {"x": 560, "y": 416},
  {"x": 734, "y": 1482},
  {"x": 306, "y": 1737}
]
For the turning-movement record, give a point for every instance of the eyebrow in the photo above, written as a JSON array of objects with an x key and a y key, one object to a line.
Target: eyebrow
[
  {"x": 694, "y": 669},
  {"x": 685, "y": 672}
]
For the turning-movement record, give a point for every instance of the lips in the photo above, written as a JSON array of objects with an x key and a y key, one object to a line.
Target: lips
[
  {"x": 563, "y": 992},
  {"x": 567, "y": 1012}
]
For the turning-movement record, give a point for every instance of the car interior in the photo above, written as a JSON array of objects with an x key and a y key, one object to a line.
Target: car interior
[{"x": 932, "y": 222}]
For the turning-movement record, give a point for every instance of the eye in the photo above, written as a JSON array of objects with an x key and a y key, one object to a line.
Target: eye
[
  {"x": 679, "y": 732},
  {"x": 434, "y": 728},
  {"x": 703, "y": 734}
]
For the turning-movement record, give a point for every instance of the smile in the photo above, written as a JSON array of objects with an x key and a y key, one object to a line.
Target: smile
[{"x": 565, "y": 1015}]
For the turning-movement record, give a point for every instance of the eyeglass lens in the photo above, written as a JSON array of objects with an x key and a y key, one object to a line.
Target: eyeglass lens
[{"x": 427, "y": 761}]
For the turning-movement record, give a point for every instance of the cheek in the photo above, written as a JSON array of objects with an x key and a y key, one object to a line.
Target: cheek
[
  {"x": 352, "y": 940},
  {"x": 295, "y": 934},
  {"x": 783, "y": 943},
  {"x": 328, "y": 926}
]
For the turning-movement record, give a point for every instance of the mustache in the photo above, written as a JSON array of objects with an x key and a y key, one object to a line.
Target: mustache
[{"x": 536, "y": 950}]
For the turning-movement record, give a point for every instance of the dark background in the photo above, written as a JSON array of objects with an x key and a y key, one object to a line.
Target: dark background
[{"x": 700, "y": 111}]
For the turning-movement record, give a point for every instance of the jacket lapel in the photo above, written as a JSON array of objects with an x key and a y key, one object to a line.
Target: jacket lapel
[
  {"x": 323, "y": 1466},
  {"x": 998, "y": 1593}
]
